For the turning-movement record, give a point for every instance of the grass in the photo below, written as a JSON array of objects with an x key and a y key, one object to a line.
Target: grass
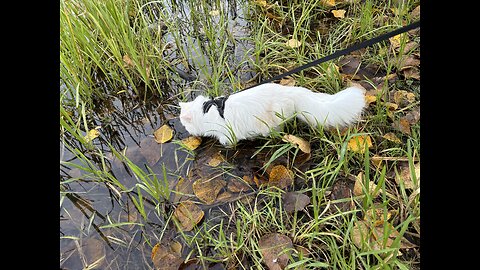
[{"x": 119, "y": 51}]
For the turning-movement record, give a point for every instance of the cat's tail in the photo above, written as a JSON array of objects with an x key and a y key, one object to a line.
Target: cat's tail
[{"x": 341, "y": 109}]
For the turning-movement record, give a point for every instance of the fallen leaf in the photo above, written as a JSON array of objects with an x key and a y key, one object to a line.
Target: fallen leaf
[
  {"x": 150, "y": 150},
  {"x": 273, "y": 17},
  {"x": 404, "y": 176},
  {"x": 359, "y": 187},
  {"x": 408, "y": 61},
  {"x": 361, "y": 234},
  {"x": 188, "y": 214},
  {"x": 339, "y": 13},
  {"x": 236, "y": 185},
  {"x": 293, "y": 43},
  {"x": 402, "y": 125},
  {"x": 94, "y": 252},
  {"x": 370, "y": 99},
  {"x": 192, "y": 142},
  {"x": 415, "y": 12},
  {"x": 275, "y": 249},
  {"x": 289, "y": 81},
  {"x": 224, "y": 197},
  {"x": 128, "y": 61},
  {"x": 297, "y": 141},
  {"x": 395, "y": 41},
  {"x": 403, "y": 98},
  {"x": 376, "y": 215},
  {"x": 214, "y": 13},
  {"x": 391, "y": 106},
  {"x": 163, "y": 134},
  {"x": 413, "y": 116},
  {"x": 280, "y": 177},
  {"x": 167, "y": 256},
  {"x": 92, "y": 134},
  {"x": 182, "y": 190},
  {"x": 392, "y": 137},
  {"x": 295, "y": 201},
  {"x": 357, "y": 143},
  {"x": 342, "y": 189},
  {"x": 262, "y": 3},
  {"x": 216, "y": 159},
  {"x": 207, "y": 190},
  {"x": 411, "y": 73},
  {"x": 328, "y": 3}
]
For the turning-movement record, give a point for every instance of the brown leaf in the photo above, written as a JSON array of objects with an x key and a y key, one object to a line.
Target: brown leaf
[
  {"x": 167, "y": 256},
  {"x": 341, "y": 190},
  {"x": 289, "y": 81},
  {"x": 295, "y": 201},
  {"x": 275, "y": 249},
  {"x": 357, "y": 143},
  {"x": 415, "y": 12},
  {"x": 216, "y": 159},
  {"x": 404, "y": 176},
  {"x": 411, "y": 73},
  {"x": 280, "y": 177},
  {"x": 128, "y": 61},
  {"x": 359, "y": 187},
  {"x": 297, "y": 141},
  {"x": 94, "y": 252},
  {"x": 392, "y": 137},
  {"x": 293, "y": 43},
  {"x": 375, "y": 215},
  {"x": 237, "y": 185},
  {"x": 182, "y": 190},
  {"x": 413, "y": 116},
  {"x": 163, "y": 134},
  {"x": 409, "y": 61},
  {"x": 403, "y": 98},
  {"x": 150, "y": 150},
  {"x": 192, "y": 142},
  {"x": 402, "y": 125},
  {"x": 188, "y": 214},
  {"x": 207, "y": 190}
]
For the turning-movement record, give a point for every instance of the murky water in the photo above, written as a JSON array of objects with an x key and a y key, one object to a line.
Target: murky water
[{"x": 89, "y": 207}]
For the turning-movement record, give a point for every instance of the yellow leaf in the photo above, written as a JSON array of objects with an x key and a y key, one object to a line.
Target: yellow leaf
[
  {"x": 339, "y": 13},
  {"x": 392, "y": 137},
  {"x": 358, "y": 188},
  {"x": 403, "y": 98},
  {"x": 163, "y": 134},
  {"x": 328, "y": 3},
  {"x": 192, "y": 142},
  {"x": 214, "y": 13},
  {"x": 262, "y": 3},
  {"x": 293, "y": 43},
  {"x": 92, "y": 134},
  {"x": 128, "y": 61},
  {"x": 358, "y": 143},
  {"x": 280, "y": 177},
  {"x": 188, "y": 214},
  {"x": 391, "y": 106},
  {"x": 288, "y": 81},
  {"x": 395, "y": 41},
  {"x": 370, "y": 99},
  {"x": 297, "y": 141}
]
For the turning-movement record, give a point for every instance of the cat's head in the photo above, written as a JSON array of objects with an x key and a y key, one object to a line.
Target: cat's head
[{"x": 192, "y": 116}]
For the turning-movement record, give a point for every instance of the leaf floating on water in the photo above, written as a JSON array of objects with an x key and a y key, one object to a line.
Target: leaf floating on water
[
  {"x": 294, "y": 201},
  {"x": 207, "y": 190},
  {"x": 280, "y": 177},
  {"x": 276, "y": 250},
  {"x": 340, "y": 13},
  {"x": 192, "y": 142},
  {"x": 92, "y": 134},
  {"x": 167, "y": 256},
  {"x": 297, "y": 141},
  {"x": 293, "y": 43},
  {"x": 216, "y": 159},
  {"x": 188, "y": 214},
  {"x": 357, "y": 143},
  {"x": 163, "y": 134}
]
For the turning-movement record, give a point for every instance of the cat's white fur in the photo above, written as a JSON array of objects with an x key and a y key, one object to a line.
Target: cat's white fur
[{"x": 254, "y": 111}]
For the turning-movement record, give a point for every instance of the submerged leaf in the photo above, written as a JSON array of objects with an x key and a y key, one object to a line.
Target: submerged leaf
[
  {"x": 150, "y": 150},
  {"x": 163, "y": 134},
  {"x": 167, "y": 256},
  {"x": 188, "y": 214},
  {"x": 276, "y": 250},
  {"x": 192, "y": 142},
  {"x": 207, "y": 190}
]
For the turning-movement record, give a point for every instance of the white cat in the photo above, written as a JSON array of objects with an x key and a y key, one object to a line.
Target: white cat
[{"x": 255, "y": 111}]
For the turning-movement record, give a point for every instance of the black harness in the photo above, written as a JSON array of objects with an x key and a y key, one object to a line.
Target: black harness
[{"x": 218, "y": 102}]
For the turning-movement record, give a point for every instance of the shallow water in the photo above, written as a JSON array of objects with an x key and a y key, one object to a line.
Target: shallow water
[{"x": 89, "y": 206}]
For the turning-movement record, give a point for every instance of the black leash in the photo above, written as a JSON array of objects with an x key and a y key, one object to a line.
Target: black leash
[{"x": 339, "y": 53}]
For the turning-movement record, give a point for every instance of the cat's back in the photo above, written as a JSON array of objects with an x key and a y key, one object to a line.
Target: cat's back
[{"x": 268, "y": 91}]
